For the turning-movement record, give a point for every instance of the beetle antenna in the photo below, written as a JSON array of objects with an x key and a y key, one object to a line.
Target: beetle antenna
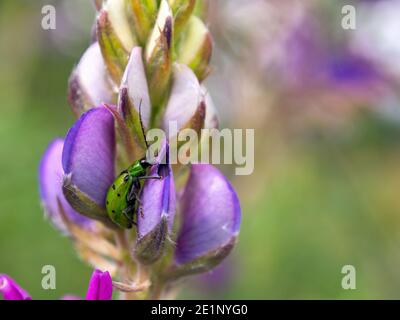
[{"x": 141, "y": 124}]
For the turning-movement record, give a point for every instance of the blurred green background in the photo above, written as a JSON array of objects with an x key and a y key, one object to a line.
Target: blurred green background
[{"x": 317, "y": 201}]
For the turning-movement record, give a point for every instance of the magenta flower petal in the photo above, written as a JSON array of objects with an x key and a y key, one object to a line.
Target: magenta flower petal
[
  {"x": 100, "y": 286},
  {"x": 11, "y": 290},
  {"x": 89, "y": 152},
  {"x": 50, "y": 185},
  {"x": 211, "y": 215},
  {"x": 70, "y": 297}
]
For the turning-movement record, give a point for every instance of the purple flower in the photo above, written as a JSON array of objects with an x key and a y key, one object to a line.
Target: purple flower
[
  {"x": 100, "y": 286},
  {"x": 11, "y": 290},
  {"x": 350, "y": 69},
  {"x": 211, "y": 219},
  {"x": 157, "y": 210},
  {"x": 88, "y": 162},
  {"x": 210, "y": 207},
  {"x": 78, "y": 175},
  {"x": 89, "y": 151},
  {"x": 50, "y": 185},
  {"x": 309, "y": 61}
]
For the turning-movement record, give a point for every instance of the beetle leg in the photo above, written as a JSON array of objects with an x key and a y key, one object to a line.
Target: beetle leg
[
  {"x": 150, "y": 178},
  {"x": 132, "y": 193},
  {"x": 125, "y": 213}
]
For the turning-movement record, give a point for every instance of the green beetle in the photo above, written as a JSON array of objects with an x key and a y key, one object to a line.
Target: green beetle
[{"x": 123, "y": 196}]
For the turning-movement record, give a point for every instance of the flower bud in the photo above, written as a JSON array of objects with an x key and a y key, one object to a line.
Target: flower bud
[
  {"x": 182, "y": 10},
  {"x": 100, "y": 286},
  {"x": 158, "y": 56},
  {"x": 211, "y": 220},
  {"x": 97, "y": 4},
  {"x": 143, "y": 14},
  {"x": 88, "y": 163},
  {"x": 156, "y": 211},
  {"x": 89, "y": 84},
  {"x": 196, "y": 48},
  {"x": 185, "y": 108},
  {"x": 11, "y": 290},
  {"x": 134, "y": 98},
  {"x": 117, "y": 14},
  {"x": 115, "y": 54},
  {"x": 201, "y": 9}
]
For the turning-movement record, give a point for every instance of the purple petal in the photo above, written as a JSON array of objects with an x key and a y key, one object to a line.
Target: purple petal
[
  {"x": 135, "y": 81},
  {"x": 100, "y": 286},
  {"x": 158, "y": 197},
  {"x": 50, "y": 185},
  {"x": 349, "y": 69},
  {"x": 89, "y": 83},
  {"x": 11, "y": 290},
  {"x": 89, "y": 153},
  {"x": 211, "y": 120},
  {"x": 184, "y": 101},
  {"x": 211, "y": 214}
]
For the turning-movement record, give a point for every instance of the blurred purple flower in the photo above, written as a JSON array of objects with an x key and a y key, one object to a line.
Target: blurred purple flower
[
  {"x": 11, "y": 290},
  {"x": 71, "y": 297},
  {"x": 350, "y": 69},
  {"x": 309, "y": 60},
  {"x": 50, "y": 185},
  {"x": 100, "y": 288}
]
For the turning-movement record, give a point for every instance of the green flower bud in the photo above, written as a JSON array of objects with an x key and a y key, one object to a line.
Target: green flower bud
[
  {"x": 182, "y": 10},
  {"x": 143, "y": 14},
  {"x": 134, "y": 101},
  {"x": 201, "y": 9},
  {"x": 196, "y": 48},
  {"x": 118, "y": 15},
  {"x": 114, "y": 54},
  {"x": 158, "y": 57}
]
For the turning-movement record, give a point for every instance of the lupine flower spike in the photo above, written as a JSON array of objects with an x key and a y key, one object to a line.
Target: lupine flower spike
[{"x": 128, "y": 209}]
